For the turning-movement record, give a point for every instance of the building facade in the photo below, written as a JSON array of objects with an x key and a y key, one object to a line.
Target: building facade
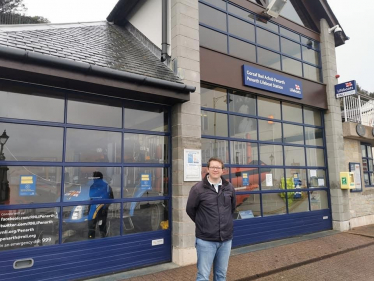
[{"x": 260, "y": 96}]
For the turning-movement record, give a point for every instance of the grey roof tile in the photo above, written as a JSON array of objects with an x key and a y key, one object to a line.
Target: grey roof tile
[{"x": 103, "y": 45}]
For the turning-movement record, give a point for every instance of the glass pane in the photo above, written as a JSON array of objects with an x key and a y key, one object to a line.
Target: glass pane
[
  {"x": 272, "y": 179},
  {"x": 244, "y": 153},
  {"x": 292, "y": 66},
  {"x": 318, "y": 200},
  {"x": 290, "y": 34},
  {"x": 214, "y": 124},
  {"x": 43, "y": 105},
  {"x": 213, "y": 40},
  {"x": 244, "y": 179},
  {"x": 371, "y": 178},
  {"x": 315, "y": 156},
  {"x": 269, "y": 108},
  {"x": 25, "y": 228},
  {"x": 366, "y": 179},
  {"x": 296, "y": 178},
  {"x": 268, "y": 25},
  {"x": 98, "y": 111},
  {"x": 365, "y": 165},
  {"x": 267, "y": 39},
  {"x": 242, "y": 49},
  {"x": 270, "y": 131},
  {"x": 241, "y": 13},
  {"x": 213, "y": 97},
  {"x": 89, "y": 183},
  {"x": 363, "y": 150},
  {"x": 317, "y": 178},
  {"x": 248, "y": 206},
  {"x": 145, "y": 148},
  {"x": 32, "y": 143},
  {"x": 242, "y": 102},
  {"x": 145, "y": 216},
  {"x": 271, "y": 155},
  {"x": 241, "y": 29},
  {"x": 145, "y": 182},
  {"x": 310, "y": 43},
  {"x": 86, "y": 222},
  {"x": 313, "y": 136},
  {"x": 92, "y": 146},
  {"x": 292, "y": 112},
  {"x": 294, "y": 156},
  {"x": 298, "y": 202},
  {"x": 243, "y": 127},
  {"x": 268, "y": 58},
  {"x": 293, "y": 134},
  {"x": 311, "y": 72},
  {"x": 369, "y": 152},
  {"x": 273, "y": 204},
  {"x": 370, "y": 165},
  {"x": 291, "y": 48},
  {"x": 289, "y": 12},
  {"x": 214, "y": 148},
  {"x": 312, "y": 117},
  {"x": 310, "y": 56},
  {"x": 219, "y": 3},
  {"x": 212, "y": 17},
  {"x": 29, "y": 185},
  {"x": 142, "y": 116}
]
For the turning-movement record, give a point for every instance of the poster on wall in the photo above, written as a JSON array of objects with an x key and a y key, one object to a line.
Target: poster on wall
[
  {"x": 192, "y": 165},
  {"x": 356, "y": 169}
]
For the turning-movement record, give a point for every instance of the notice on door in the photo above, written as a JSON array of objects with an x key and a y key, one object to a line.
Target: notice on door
[{"x": 28, "y": 228}]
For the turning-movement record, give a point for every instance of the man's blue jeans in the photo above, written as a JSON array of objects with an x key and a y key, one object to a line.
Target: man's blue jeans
[{"x": 216, "y": 253}]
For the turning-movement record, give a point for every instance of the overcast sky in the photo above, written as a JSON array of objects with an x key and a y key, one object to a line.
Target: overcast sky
[{"x": 355, "y": 59}]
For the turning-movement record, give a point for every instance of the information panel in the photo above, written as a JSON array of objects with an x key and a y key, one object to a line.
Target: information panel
[
  {"x": 28, "y": 228},
  {"x": 356, "y": 169},
  {"x": 345, "y": 89},
  {"x": 270, "y": 81}
]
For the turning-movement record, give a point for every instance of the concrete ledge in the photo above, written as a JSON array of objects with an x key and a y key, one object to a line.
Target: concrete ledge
[
  {"x": 362, "y": 221},
  {"x": 341, "y": 225}
]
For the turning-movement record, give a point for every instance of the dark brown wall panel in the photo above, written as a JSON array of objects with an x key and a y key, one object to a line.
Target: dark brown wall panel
[{"x": 226, "y": 71}]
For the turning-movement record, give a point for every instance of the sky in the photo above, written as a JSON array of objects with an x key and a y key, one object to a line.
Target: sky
[{"x": 355, "y": 59}]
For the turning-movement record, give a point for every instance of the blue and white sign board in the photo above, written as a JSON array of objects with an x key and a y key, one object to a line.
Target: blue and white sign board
[
  {"x": 246, "y": 214},
  {"x": 27, "y": 186},
  {"x": 245, "y": 177},
  {"x": 345, "y": 89},
  {"x": 145, "y": 182},
  {"x": 269, "y": 81}
]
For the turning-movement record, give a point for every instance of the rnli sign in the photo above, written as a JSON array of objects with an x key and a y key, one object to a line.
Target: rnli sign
[
  {"x": 345, "y": 89},
  {"x": 269, "y": 81}
]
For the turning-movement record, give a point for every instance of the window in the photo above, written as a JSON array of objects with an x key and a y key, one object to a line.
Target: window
[{"x": 367, "y": 164}]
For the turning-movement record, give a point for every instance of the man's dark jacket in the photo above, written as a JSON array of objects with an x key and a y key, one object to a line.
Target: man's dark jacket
[{"x": 212, "y": 211}]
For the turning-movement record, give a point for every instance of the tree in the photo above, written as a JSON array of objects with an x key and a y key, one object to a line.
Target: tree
[
  {"x": 12, "y": 6},
  {"x": 364, "y": 92}
]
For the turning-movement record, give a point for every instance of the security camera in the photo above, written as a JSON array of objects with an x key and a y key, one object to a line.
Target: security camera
[{"x": 336, "y": 29}]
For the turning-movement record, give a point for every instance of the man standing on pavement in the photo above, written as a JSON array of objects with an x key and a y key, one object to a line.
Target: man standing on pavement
[{"x": 210, "y": 205}]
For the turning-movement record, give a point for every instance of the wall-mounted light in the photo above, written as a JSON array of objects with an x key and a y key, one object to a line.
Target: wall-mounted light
[
  {"x": 275, "y": 7},
  {"x": 336, "y": 29}
]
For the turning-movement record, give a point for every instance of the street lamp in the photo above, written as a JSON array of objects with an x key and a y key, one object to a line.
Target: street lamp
[{"x": 3, "y": 139}]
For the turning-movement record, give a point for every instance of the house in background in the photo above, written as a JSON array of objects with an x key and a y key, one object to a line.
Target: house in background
[{"x": 254, "y": 90}]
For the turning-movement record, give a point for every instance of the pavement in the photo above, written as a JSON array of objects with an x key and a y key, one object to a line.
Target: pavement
[{"x": 327, "y": 255}]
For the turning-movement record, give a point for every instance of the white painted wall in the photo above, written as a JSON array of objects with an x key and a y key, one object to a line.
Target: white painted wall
[{"x": 147, "y": 18}]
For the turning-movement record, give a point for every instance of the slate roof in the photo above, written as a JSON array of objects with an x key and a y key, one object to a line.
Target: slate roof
[{"x": 98, "y": 43}]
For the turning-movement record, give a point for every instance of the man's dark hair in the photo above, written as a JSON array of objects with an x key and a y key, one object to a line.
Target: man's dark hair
[
  {"x": 98, "y": 174},
  {"x": 216, "y": 159}
]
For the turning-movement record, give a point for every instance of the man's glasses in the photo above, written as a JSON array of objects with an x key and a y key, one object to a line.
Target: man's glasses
[{"x": 215, "y": 168}]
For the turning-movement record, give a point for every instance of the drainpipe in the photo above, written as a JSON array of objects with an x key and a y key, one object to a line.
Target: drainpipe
[{"x": 164, "y": 44}]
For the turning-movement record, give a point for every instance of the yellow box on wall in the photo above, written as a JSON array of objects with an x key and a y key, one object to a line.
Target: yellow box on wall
[{"x": 347, "y": 180}]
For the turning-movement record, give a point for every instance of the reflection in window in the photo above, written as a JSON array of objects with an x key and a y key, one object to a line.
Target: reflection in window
[
  {"x": 244, "y": 179},
  {"x": 312, "y": 117},
  {"x": 242, "y": 102},
  {"x": 248, "y": 206},
  {"x": 318, "y": 200},
  {"x": 292, "y": 112},
  {"x": 294, "y": 156},
  {"x": 272, "y": 179},
  {"x": 241, "y": 29},
  {"x": 267, "y": 39},
  {"x": 214, "y": 148},
  {"x": 293, "y": 134},
  {"x": 271, "y": 26},
  {"x": 270, "y": 131},
  {"x": 213, "y": 40},
  {"x": 32, "y": 143},
  {"x": 310, "y": 56},
  {"x": 242, "y": 49},
  {"x": 243, "y": 127},
  {"x": 312, "y": 72},
  {"x": 310, "y": 43},
  {"x": 30, "y": 184},
  {"x": 213, "y": 123},
  {"x": 290, "y": 34},
  {"x": 273, "y": 204},
  {"x": 23, "y": 236},
  {"x": 86, "y": 222},
  {"x": 89, "y": 183},
  {"x": 141, "y": 116},
  {"x": 212, "y": 17},
  {"x": 244, "y": 153},
  {"x": 313, "y": 136},
  {"x": 315, "y": 156},
  {"x": 289, "y": 12},
  {"x": 269, "y": 108},
  {"x": 317, "y": 178},
  {"x": 290, "y": 48},
  {"x": 145, "y": 216},
  {"x": 291, "y": 66},
  {"x": 144, "y": 182},
  {"x": 271, "y": 154},
  {"x": 367, "y": 164},
  {"x": 92, "y": 146},
  {"x": 99, "y": 111},
  {"x": 141, "y": 148},
  {"x": 213, "y": 97}
]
